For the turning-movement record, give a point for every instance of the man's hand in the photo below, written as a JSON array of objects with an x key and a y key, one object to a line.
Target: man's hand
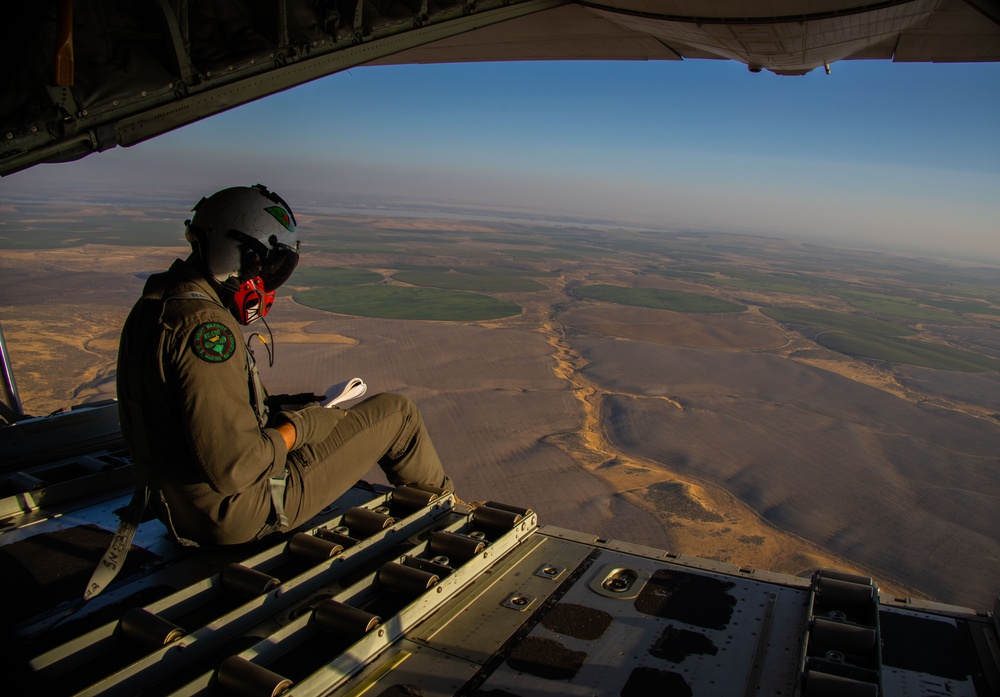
[
  {"x": 287, "y": 431},
  {"x": 310, "y": 424}
]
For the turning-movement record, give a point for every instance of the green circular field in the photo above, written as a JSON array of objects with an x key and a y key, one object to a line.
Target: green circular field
[
  {"x": 397, "y": 302},
  {"x": 457, "y": 280},
  {"x": 674, "y": 300}
]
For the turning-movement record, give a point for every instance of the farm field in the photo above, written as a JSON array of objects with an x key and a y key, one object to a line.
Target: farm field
[
  {"x": 742, "y": 398},
  {"x": 908, "y": 351},
  {"x": 899, "y": 307},
  {"x": 828, "y": 319},
  {"x": 487, "y": 281},
  {"x": 395, "y": 302},
  {"x": 879, "y": 340},
  {"x": 673, "y": 300},
  {"x": 795, "y": 284}
]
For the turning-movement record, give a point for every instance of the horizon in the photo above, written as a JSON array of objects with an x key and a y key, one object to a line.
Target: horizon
[
  {"x": 388, "y": 209},
  {"x": 877, "y": 155}
]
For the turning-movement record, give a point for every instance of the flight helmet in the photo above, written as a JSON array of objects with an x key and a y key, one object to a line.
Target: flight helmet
[{"x": 245, "y": 238}]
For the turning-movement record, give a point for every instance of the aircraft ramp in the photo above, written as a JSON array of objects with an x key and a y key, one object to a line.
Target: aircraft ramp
[{"x": 409, "y": 592}]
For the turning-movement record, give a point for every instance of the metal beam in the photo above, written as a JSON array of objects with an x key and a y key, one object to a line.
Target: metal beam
[
  {"x": 10, "y": 396},
  {"x": 135, "y": 129}
]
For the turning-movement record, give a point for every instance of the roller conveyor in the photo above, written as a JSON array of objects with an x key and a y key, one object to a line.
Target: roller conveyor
[
  {"x": 399, "y": 594},
  {"x": 251, "y": 590},
  {"x": 409, "y": 591}
]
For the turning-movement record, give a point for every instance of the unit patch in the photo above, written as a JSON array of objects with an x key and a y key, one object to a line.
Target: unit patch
[{"x": 213, "y": 342}]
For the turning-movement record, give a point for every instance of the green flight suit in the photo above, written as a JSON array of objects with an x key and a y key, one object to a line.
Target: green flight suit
[{"x": 194, "y": 415}]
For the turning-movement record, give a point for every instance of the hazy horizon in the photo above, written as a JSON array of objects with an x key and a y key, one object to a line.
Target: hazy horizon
[{"x": 874, "y": 156}]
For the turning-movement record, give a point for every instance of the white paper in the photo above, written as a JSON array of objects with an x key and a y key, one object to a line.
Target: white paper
[{"x": 343, "y": 391}]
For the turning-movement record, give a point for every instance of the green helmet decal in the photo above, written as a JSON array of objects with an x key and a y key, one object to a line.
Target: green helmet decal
[{"x": 281, "y": 215}]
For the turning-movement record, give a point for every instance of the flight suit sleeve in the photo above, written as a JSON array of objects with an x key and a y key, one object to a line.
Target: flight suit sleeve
[{"x": 212, "y": 389}]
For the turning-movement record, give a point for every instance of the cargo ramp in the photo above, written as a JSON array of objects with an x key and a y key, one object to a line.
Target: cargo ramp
[{"x": 409, "y": 592}]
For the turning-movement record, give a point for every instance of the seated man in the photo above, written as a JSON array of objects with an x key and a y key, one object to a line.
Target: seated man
[{"x": 220, "y": 466}]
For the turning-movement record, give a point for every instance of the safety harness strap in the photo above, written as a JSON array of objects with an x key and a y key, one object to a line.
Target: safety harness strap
[
  {"x": 121, "y": 542},
  {"x": 278, "y": 498}
]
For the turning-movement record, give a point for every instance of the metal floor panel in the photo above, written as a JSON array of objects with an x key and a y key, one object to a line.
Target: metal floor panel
[{"x": 709, "y": 661}]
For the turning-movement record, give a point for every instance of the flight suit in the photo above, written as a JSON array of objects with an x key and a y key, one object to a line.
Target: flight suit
[{"x": 194, "y": 414}]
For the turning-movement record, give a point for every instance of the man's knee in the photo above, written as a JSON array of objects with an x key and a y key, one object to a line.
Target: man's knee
[{"x": 391, "y": 402}]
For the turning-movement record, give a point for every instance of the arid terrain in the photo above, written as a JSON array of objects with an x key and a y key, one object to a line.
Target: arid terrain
[{"x": 728, "y": 435}]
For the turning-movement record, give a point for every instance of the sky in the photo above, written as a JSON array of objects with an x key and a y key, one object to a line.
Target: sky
[{"x": 873, "y": 155}]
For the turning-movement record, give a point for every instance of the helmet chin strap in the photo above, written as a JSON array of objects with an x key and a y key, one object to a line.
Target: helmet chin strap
[{"x": 250, "y": 301}]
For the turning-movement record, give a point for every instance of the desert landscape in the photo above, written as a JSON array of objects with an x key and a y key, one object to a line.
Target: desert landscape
[{"x": 766, "y": 402}]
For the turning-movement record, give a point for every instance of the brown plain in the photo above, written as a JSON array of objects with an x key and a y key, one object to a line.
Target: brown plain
[{"x": 718, "y": 436}]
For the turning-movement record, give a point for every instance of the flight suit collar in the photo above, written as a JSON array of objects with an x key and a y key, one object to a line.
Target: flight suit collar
[{"x": 181, "y": 275}]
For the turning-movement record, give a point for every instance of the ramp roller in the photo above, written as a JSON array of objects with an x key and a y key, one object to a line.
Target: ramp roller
[
  {"x": 457, "y": 548},
  {"x": 847, "y": 638},
  {"x": 520, "y": 510},
  {"x": 91, "y": 465},
  {"x": 348, "y": 622},
  {"x": 22, "y": 482},
  {"x": 148, "y": 630},
  {"x": 405, "y": 579},
  {"x": 495, "y": 520},
  {"x": 844, "y": 594},
  {"x": 247, "y": 582},
  {"x": 238, "y": 676},
  {"x": 412, "y": 498},
  {"x": 313, "y": 549},
  {"x": 363, "y": 522}
]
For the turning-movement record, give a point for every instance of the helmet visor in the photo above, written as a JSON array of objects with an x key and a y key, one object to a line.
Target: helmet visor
[
  {"x": 272, "y": 264},
  {"x": 278, "y": 266}
]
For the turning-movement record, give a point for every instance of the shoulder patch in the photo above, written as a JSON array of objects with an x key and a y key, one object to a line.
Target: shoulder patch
[{"x": 213, "y": 342}]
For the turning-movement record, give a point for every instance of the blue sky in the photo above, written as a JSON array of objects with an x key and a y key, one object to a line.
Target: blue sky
[{"x": 873, "y": 154}]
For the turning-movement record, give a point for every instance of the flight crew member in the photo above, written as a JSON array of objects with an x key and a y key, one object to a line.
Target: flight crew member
[{"x": 221, "y": 466}]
